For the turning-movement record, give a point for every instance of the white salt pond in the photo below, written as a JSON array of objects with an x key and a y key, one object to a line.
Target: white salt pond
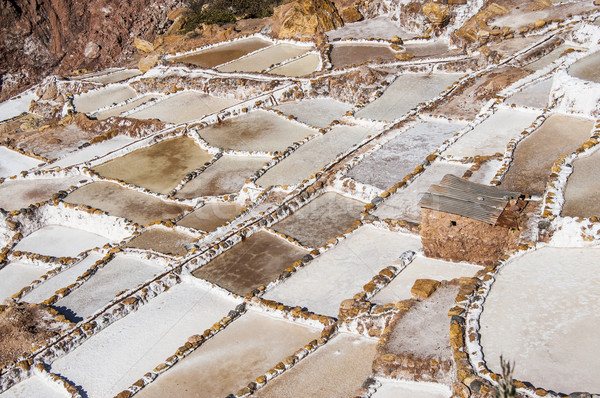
[
  {"x": 111, "y": 361},
  {"x": 493, "y": 134},
  {"x": 15, "y": 276},
  {"x": 549, "y": 58},
  {"x": 410, "y": 389},
  {"x": 183, "y": 107},
  {"x": 487, "y": 171},
  {"x": 15, "y": 106},
  {"x": 60, "y": 241},
  {"x": 583, "y": 184},
  {"x": 17, "y": 194},
  {"x": 404, "y": 203},
  {"x": 261, "y": 60},
  {"x": 118, "y": 110},
  {"x": 255, "y": 131},
  {"x": 535, "y": 96},
  {"x": 406, "y": 92},
  {"x": 121, "y": 273},
  {"x": 380, "y": 27},
  {"x": 213, "y": 56},
  {"x": 36, "y": 387},
  {"x": 336, "y": 369},
  {"x": 399, "y": 156},
  {"x": 553, "y": 340},
  {"x": 587, "y": 68},
  {"x": 237, "y": 355},
  {"x": 227, "y": 175},
  {"x": 422, "y": 268},
  {"x": 103, "y": 97},
  {"x": 114, "y": 77},
  {"x": 12, "y": 162},
  {"x": 341, "y": 272},
  {"x": 92, "y": 152},
  {"x": 314, "y": 155},
  {"x": 46, "y": 289},
  {"x": 317, "y": 112},
  {"x": 299, "y": 67}
]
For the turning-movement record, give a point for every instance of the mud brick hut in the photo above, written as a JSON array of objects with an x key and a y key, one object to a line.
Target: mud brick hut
[{"x": 466, "y": 221}]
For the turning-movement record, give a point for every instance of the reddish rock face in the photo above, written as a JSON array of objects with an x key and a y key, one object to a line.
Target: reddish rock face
[{"x": 40, "y": 37}]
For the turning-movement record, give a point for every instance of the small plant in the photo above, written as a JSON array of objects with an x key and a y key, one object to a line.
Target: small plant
[{"x": 506, "y": 387}]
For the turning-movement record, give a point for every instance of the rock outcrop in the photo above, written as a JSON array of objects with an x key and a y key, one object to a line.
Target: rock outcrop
[
  {"x": 42, "y": 37},
  {"x": 307, "y": 18}
]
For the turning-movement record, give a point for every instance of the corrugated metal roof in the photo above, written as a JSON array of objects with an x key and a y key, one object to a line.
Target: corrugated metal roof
[{"x": 457, "y": 196}]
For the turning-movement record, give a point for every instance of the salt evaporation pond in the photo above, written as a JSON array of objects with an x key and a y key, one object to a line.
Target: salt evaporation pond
[
  {"x": 36, "y": 387},
  {"x": 210, "y": 216},
  {"x": 535, "y": 96},
  {"x": 92, "y": 152},
  {"x": 255, "y": 131},
  {"x": 162, "y": 240},
  {"x": 251, "y": 263},
  {"x": 60, "y": 241},
  {"x": 299, "y": 67},
  {"x": 549, "y": 58},
  {"x": 313, "y": 156},
  {"x": 438, "y": 49},
  {"x": 114, "y": 77},
  {"x": 403, "y": 204},
  {"x": 118, "y": 110},
  {"x": 264, "y": 58},
  {"x": 406, "y": 92},
  {"x": 317, "y": 112},
  {"x": 399, "y": 156},
  {"x": 17, "y": 105},
  {"x": 121, "y": 273},
  {"x": 17, "y": 194},
  {"x": 103, "y": 97},
  {"x": 422, "y": 268},
  {"x": 583, "y": 184},
  {"x": 127, "y": 203},
  {"x": 553, "y": 340},
  {"x": 15, "y": 276},
  {"x": 344, "y": 54},
  {"x": 341, "y": 272},
  {"x": 336, "y": 369},
  {"x": 381, "y": 27},
  {"x": 492, "y": 135},
  {"x": 213, "y": 56},
  {"x": 13, "y": 162},
  {"x": 65, "y": 278},
  {"x": 322, "y": 219},
  {"x": 409, "y": 389},
  {"x": 183, "y": 107},
  {"x": 237, "y": 355},
  {"x": 111, "y": 361},
  {"x": 159, "y": 167},
  {"x": 227, "y": 175},
  {"x": 587, "y": 68},
  {"x": 533, "y": 159}
]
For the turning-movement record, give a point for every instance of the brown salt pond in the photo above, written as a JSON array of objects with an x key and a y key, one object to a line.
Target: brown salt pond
[
  {"x": 227, "y": 175},
  {"x": 351, "y": 54},
  {"x": 438, "y": 48},
  {"x": 55, "y": 141},
  {"x": 162, "y": 240},
  {"x": 336, "y": 369},
  {"x": 17, "y": 194},
  {"x": 535, "y": 155},
  {"x": 160, "y": 167},
  {"x": 254, "y": 262},
  {"x": 322, "y": 219},
  {"x": 122, "y": 202},
  {"x": 211, "y": 57},
  {"x": 184, "y": 107},
  {"x": 583, "y": 185},
  {"x": 263, "y": 59},
  {"x": 587, "y": 68},
  {"x": 240, "y": 353},
  {"x": 210, "y": 216},
  {"x": 298, "y": 67},
  {"x": 255, "y": 131}
]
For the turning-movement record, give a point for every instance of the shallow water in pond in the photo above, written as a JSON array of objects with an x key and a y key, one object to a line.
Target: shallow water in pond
[
  {"x": 263, "y": 59},
  {"x": 348, "y": 54},
  {"x": 221, "y": 54},
  {"x": 299, "y": 67},
  {"x": 163, "y": 241}
]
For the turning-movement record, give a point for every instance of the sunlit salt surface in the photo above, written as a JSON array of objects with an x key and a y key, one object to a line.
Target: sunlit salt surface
[
  {"x": 587, "y": 68},
  {"x": 60, "y": 241},
  {"x": 103, "y": 97},
  {"x": 15, "y": 106},
  {"x": 15, "y": 276},
  {"x": 536, "y": 96},
  {"x": 12, "y": 162},
  {"x": 17, "y": 194},
  {"x": 210, "y": 216},
  {"x": 114, "y": 77},
  {"x": 92, "y": 152},
  {"x": 582, "y": 185},
  {"x": 36, "y": 387},
  {"x": 298, "y": 67},
  {"x": 407, "y": 389},
  {"x": 264, "y": 58},
  {"x": 118, "y": 110},
  {"x": 317, "y": 112},
  {"x": 211, "y": 57},
  {"x": 381, "y": 27}
]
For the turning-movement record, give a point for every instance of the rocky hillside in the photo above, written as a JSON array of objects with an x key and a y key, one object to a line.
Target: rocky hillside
[{"x": 40, "y": 37}]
